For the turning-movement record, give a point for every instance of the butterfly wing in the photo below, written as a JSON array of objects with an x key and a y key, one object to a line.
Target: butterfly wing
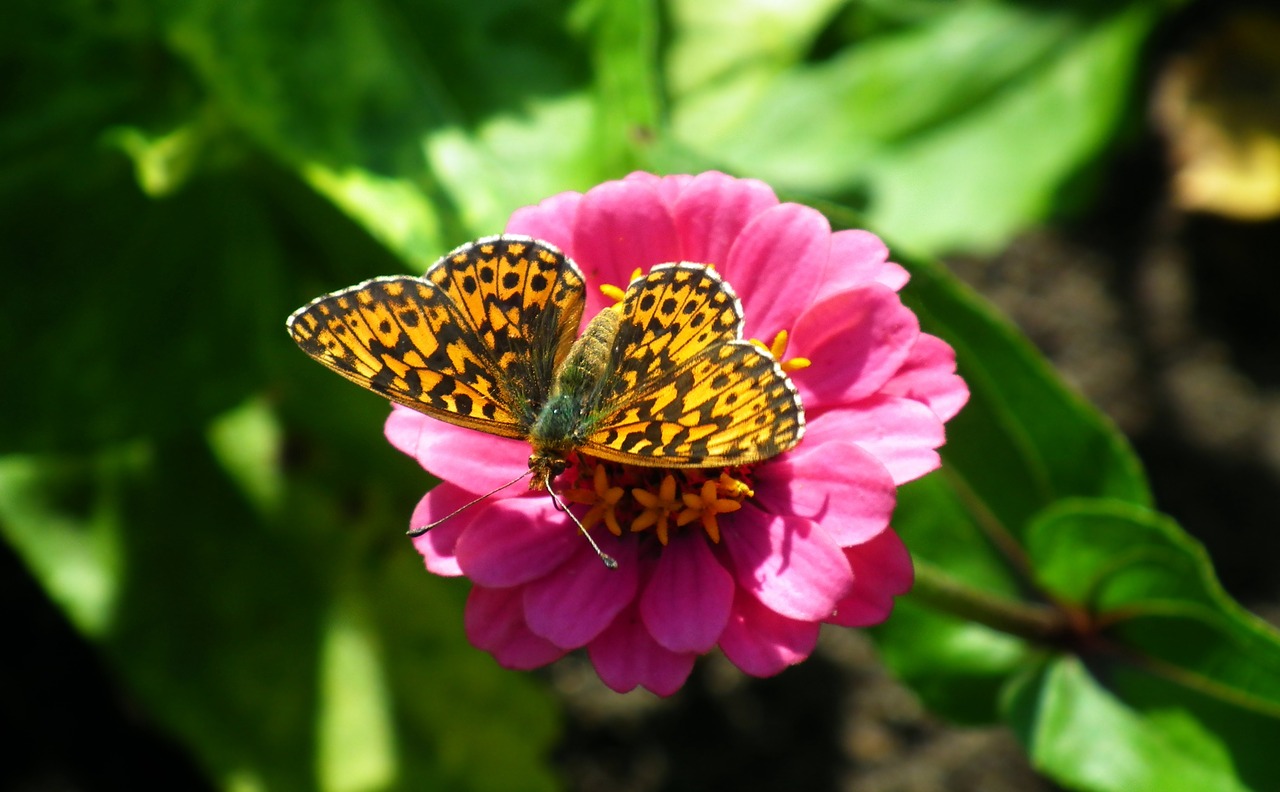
[
  {"x": 683, "y": 388},
  {"x": 475, "y": 341}
]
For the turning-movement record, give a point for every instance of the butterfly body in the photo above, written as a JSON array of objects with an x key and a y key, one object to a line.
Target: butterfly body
[
  {"x": 486, "y": 340},
  {"x": 564, "y": 422}
]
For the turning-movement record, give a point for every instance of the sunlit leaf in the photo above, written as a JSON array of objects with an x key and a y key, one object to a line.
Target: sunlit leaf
[
  {"x": 955, "y": 131},
  {"x": 1089, "y": 739}
]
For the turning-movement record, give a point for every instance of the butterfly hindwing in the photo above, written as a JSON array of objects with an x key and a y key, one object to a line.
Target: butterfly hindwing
[
  {"x": 474, "y": 342},
  {"x": 669, "y": 316},
  {"x": 683, "y": 388}
]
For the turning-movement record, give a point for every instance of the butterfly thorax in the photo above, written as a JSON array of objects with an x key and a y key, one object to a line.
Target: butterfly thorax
[{"x": 563, "y": 422}]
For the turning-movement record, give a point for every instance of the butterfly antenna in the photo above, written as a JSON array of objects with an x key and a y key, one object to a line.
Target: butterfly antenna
[
  {"x": 420, "y": 531},
  {"x": 605, "y": 557}
]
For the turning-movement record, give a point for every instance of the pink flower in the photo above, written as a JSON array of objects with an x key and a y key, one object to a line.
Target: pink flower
[{"x": 751, "y": 560}]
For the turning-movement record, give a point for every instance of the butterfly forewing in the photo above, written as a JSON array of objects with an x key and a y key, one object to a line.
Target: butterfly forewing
[
  {"x": 683, "y": 388},
  {"x": 474, "y": 342},
  {"x": 523, "y": 301}
]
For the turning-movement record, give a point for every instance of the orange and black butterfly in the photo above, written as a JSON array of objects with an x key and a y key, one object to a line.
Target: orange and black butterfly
[{"x": 488, "y": 339}]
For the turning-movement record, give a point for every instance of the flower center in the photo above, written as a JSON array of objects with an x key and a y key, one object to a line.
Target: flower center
[{"x": 657, "y": 500}]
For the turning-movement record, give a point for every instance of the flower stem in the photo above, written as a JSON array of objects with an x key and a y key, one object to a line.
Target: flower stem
[{"x": 1034, "y": 622}]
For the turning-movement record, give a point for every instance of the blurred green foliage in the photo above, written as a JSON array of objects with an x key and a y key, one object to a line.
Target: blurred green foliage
[{"x": 221, "y": 516}]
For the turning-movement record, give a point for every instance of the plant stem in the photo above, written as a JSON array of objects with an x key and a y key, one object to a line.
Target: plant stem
[{"x": 1034, "y": 622}]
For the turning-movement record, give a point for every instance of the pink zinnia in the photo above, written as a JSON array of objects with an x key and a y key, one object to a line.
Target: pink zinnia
[{"x": 752, "y": 560}]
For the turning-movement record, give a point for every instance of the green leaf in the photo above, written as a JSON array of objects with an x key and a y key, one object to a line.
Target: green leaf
[
  {"x": 717, "y": 41},
  {"x": 957, "y": 130},
  {"x": 343, "y": 104},
  {"x": 987, "y": 172},
  {"x": 1087, "y": 738},
  {"x": 1025, "y": 439},
  {"x": 356, "y": 748},
  {"x": 1152, "y": 590},
  {"x": 569, "y": 141},
  {"x": 623, "y": 36},
  {"x": 126, "y": 322},
  {"x": 426, "y": 122},
  {"x": 1246, "y": 735},
  {"x": 955, "y": 665}
]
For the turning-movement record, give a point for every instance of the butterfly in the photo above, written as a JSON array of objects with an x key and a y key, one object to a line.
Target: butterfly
[{"x": 488, "y": 339}]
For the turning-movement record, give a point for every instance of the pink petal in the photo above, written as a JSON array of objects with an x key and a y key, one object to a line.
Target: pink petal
[
  {"x": 439, "y": 545},
  {"x": 857, "y": 257},
  {"x": 515, "y": 540},
  {"x": 644, "y": 177},
  {"x": 776, "y": 266},
  {"x": 788, "y": 563},
  {"x": 495, "y": 623},
  {"x": 762, "y": 643},
  {"x": 686, "y": 603},
  {"x": 855, "y": 342},
  {"x": 552, "y": 220},
  {"x": 626, "y": 656},
  {"x": 712, "y": 211},
  {"x": 667, "y": 187},
  {"x": 573, "y": 604},
  {"x": 928, "y": 376},
  {"x": 621, "y": 226},
  {"x": 901, "y": 433},
  {"x": 836, "y": 485},
  {"x": 473, "y": 460},
  {"x": 881, "y": 570},
  {"x": 893, "y": 275}
]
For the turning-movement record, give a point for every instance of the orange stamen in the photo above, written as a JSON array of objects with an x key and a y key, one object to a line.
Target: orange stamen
[
  {"x": 602, "y": 499},
  {"x": 657, "y": 508},
  {"x": 705, "y": 505},
  {"x": 779, "y": 351},
  {"x": 616, "y": 293}
]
